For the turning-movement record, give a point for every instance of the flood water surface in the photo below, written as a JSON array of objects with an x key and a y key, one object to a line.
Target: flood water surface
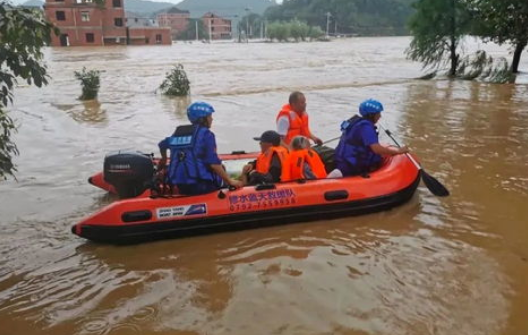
[{"x": 456, "y": 265}]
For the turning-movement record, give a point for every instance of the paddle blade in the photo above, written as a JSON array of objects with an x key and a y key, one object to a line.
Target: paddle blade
[{"x": 434, "y": 185}]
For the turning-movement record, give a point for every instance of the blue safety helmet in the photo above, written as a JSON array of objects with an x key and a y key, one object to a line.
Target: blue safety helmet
[
  {"x": 370, "y": 106},
  {"x": 198, "y": 110}
]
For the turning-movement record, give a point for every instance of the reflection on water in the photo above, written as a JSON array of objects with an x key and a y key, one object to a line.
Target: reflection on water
[
  {"x": 176, "y": 106},
  {"x": 90, "y": 112},
  {"x": 432, "y": 266}
]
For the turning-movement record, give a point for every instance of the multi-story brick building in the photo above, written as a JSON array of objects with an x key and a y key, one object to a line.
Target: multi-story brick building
[
  {"x": 85, "y": 23},
  {"x": 177, "y": 20},
  {"x": 217, "y": 27}
]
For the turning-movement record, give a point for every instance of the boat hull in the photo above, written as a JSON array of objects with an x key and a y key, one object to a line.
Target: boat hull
[{"x": 146, "y": 218}]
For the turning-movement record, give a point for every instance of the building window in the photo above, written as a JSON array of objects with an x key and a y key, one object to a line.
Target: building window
[
  {"x": 116, "y": 3},
  {"x": 85, "y": 16},
  {"x": 158, "y": 38},
  {"x": 89, "y": 38},
  {"x": 60, "y": 15},
  {"x": 118, "y": 22}
]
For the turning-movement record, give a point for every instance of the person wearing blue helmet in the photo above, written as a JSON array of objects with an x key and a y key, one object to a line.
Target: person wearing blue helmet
[
  {"x": 359, "y": 151},
  {"x": 195, "y": 167}
]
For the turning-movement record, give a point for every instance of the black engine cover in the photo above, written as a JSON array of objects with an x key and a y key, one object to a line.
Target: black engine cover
[{"x": 129, "y": 172}]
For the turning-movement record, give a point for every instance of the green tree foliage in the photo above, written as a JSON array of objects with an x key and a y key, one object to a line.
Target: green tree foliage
[
  {"x": 293, "y": 30},
  {"x": 437, "y": 27},
  {"x": 299, "y": 30},
  {"x": 90, "y": 83},
  {"x": 483, "y": 67},
  {"x": 316, "y": 32},
  {"x": 502, "y": 21},
  {"x": 365, "y": 17},
  {"x": 23, "y": 33},
  {"x": 176, "y": 82},
  {"x": 278, "y": 31}
]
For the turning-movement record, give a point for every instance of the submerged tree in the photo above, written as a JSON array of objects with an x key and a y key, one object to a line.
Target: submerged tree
[
  {"x": 278, "y": 31},
  {"x": 437, "y": 27},
  {"x": 176, "y": 82},
  {"x": 483, "y": 67},
  {"x": 23, "y": 33},
  {"x": 90, "y": 83},
  {"x": 295, "y": 29},
  {"x": 503, "y": 21},
  {"x": 299, "y": 30}
]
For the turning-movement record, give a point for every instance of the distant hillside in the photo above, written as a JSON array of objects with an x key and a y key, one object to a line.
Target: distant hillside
[
  {"x": 146, "y": 8},
  {"x": 227, "y": 8}
]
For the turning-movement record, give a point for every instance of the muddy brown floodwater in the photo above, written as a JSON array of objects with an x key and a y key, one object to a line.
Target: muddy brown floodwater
[{"x": 456, "y": 265}]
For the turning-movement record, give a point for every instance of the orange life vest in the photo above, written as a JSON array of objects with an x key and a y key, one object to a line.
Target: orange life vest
[
  {"x": 264, "y": 162},
  {"x": 299, "y": 157},
  {"x": 298, "y": 124}
]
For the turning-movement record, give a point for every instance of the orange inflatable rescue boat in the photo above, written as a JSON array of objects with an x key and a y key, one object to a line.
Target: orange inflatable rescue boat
[{"x": 148, "y": 215}]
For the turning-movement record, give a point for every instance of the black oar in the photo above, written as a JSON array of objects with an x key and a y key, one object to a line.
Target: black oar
[
  {"x": 430, "y": 182},
  {"x": 328, "y": 141}
]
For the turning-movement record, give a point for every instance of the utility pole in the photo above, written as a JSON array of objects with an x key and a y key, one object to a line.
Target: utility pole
[
  {"x": 196, "y": 27},
  {"x": 328, "y": 15},
  {"x": 239, "y": 33},
  {"x": 247, "y": 24}
]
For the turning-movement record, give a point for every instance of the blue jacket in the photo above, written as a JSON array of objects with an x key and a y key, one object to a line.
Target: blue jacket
[
  {"x": 193, "y": 149},
  {"x": 353, "y": 154}
]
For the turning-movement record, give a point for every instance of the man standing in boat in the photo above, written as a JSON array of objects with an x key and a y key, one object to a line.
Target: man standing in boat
[
  {"x": 359, "y": 151},
  {"x": 292, "y": 120},
  {"x": 195, "y": 167},
  {"x": 273, "y": 163}
]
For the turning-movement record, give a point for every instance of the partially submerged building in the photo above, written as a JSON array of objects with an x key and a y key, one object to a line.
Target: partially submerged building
[
  {"x": 86, "y": 23},
  {"x": 217, "y": 27},
  {"x": 176, "y": 19}
]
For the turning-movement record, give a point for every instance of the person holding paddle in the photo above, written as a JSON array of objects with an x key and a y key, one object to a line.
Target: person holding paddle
[{"x": 359, "y": 151}]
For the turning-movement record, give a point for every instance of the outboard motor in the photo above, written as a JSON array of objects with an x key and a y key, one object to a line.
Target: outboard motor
[{"x": 129, "y": 172}]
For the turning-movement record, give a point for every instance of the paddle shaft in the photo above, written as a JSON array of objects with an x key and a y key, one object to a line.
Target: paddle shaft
[
  {"x": 331, "y": 140},
  {"x": 430, "y": 182},
  {"x": 388, "y": 132}
]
